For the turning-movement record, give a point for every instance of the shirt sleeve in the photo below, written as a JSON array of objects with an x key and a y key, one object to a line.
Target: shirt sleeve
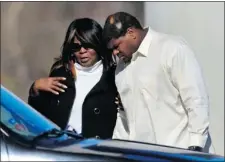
[
  {"x": 121, "y": 130},
  {"x": 187, "y": 77}
]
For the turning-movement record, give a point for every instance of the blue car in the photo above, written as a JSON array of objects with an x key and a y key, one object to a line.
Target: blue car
[{"x": 26, "y": 135}]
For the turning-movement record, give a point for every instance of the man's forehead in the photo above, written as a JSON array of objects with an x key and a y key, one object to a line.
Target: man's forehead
[{"x": 112, "y": 43}]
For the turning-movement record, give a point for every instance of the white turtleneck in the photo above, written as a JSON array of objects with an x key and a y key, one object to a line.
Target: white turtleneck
[{"x": 87, "y": 78}]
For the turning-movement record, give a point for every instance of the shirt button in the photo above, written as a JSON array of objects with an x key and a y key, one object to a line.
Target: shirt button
[
  {"x": 97, "y": 137},
  {"x": 96, "y": 110},
  {"x": 58, "y": 102}
]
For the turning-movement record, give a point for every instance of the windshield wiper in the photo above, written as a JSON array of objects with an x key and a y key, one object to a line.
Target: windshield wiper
[{"x": 55, "y": 133}]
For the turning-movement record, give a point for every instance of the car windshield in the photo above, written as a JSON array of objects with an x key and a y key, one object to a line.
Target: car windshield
[{"x": 21, "y": 118}]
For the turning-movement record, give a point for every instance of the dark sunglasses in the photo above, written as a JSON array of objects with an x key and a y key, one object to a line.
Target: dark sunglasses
[{"x": 75, "y": 47}]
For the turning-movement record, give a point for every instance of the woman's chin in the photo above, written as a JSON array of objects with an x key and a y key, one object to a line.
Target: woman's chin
[{"x": 86, "y": 64}]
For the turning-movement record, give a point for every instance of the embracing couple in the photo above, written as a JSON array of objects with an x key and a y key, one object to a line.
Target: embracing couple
[{"x": 154, "y": 92}]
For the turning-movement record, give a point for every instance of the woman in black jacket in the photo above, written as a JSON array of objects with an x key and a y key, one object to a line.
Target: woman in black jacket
[{"x": 80, "y": 91}]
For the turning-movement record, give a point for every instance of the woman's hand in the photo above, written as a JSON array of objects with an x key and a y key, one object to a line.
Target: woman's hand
[
  {"x": 50, "y": 84},
  {"x": 118, "y": 102}
]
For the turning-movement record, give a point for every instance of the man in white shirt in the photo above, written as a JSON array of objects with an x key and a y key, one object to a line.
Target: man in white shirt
[{"x": 160, "y": 84}]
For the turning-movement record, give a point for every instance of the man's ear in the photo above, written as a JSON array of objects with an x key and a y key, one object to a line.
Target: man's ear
[{"x": 131, "y": 32}]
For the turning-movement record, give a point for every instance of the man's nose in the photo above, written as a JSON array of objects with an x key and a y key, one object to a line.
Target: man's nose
[
  {"x": 82, "y": 50},
  {"x": 115, "y": 52}
]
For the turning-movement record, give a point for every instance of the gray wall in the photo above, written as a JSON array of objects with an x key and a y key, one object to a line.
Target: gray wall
[
  {"x": 32, "y": 34},
  {"x": 202, "y": 25}
]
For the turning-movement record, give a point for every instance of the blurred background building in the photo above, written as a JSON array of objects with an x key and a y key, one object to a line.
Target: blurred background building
[{"x": 32, "y": 34}]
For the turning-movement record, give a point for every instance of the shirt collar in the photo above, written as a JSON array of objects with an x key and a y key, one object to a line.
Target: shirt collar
[{"x": 144, "y": 46}]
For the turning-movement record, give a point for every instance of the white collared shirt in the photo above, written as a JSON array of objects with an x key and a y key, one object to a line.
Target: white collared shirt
[{"x": 163, "y": 94}]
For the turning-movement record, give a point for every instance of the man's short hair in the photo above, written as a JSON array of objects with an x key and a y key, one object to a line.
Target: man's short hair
[{"x": 116, "y": 25}]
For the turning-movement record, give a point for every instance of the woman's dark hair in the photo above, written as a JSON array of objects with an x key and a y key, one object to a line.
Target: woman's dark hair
[{"x": 86, "y": 30}]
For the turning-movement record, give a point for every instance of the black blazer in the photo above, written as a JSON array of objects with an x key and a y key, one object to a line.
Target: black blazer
[{"x": 99, "y": 109}]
